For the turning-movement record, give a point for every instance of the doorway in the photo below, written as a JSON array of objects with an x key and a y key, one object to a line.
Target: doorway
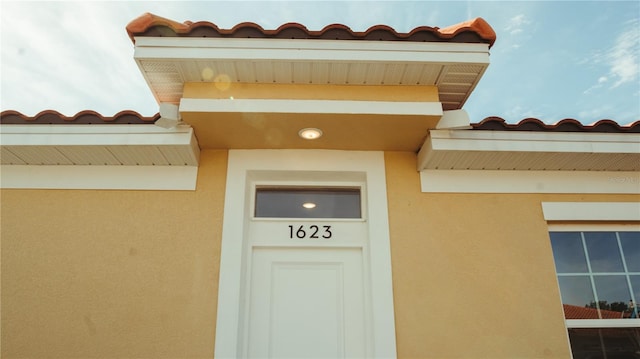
[
  {"x": 306, "y": 288},
  {"x": 305, "y": 265}
]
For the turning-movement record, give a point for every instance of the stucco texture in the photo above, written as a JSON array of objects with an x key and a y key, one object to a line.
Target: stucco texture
[
  {"x": 112, "y": 274},
  {"x": 473, "y": 274}
]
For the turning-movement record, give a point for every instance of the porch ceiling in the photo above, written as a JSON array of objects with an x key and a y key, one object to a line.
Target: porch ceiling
[
  {"x": 340, "y": 131},
  {"x": 274, "y": 123}
]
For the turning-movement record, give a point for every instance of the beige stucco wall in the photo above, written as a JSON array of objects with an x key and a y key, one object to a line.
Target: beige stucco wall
[
  {"x": 118, "y": 274},
  {"x": 473, "y": 274},
  {"x": 134, "y": 273}
]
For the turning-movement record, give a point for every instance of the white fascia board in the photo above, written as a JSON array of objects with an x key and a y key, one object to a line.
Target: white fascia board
[
  {"x": 309, "y": 50},
  {"x": 181, "y": 178},
  {"x": 496, "y": 181},
  {"x": 94, "y": 135},
  {"x": 311, "y": 106},
  {"x": 264, "y": 43},
  {"x": 531, "y": 141},
  {"x": 603, "y": 323},
  {"x": 591, "y": 211}
]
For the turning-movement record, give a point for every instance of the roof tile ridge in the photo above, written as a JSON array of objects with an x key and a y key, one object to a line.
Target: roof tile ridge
[
  {"x": 47, "y": 113},
  {"x": 148, "y": 20},
  {"x": 194, "y": 25},
  {"x": 143, "y": 22},
  {"x": 532, "y": 121},
  {"x": 332, "y": 27},
  {"x": 633, "y": 124},
  {"x": 432, "y": 29},
  {"x": 630, "y": 127},
  {"x": 401, "y": 35},
  {"x": 92, "y": 113},
  {"x": 605, "y": 121},
  {"x": 478, "y": 25},
  {"x": 491, "y": 119},
  {"x": 240, "y": 26},
  {"x": 6, "y": 113},
  {"x": 565, "y": 125},
  {"x": 289, "y": 25},
  {"x": 567, "y": 120},
  {"x": 135, "y": 114},
  {"x": 380, "y": 27},
  {"x": 84, "y": 113}
]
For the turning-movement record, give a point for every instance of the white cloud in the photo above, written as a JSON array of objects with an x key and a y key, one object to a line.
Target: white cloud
[
  {"x": 623, "y": 57},
  {"x": 515, "y": 28},
  {"x": 516, "y": 23},
  {"x": 601, "y": 81}
]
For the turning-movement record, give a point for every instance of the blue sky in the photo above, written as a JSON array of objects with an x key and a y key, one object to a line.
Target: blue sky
[{"x": 552, "y": 60}]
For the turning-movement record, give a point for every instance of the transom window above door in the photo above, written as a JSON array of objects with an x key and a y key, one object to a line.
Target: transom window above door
[{"x": 308, "y": 202}]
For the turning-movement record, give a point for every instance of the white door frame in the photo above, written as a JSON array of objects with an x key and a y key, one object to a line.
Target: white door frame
[{"x": 244, "y": 167}]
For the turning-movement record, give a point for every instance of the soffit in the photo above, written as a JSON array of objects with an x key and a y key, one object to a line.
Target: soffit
[
  {"x": 88, "y": 138},
  {"x": 530, "y": 150},
  {"x": 455, "y": 74}
]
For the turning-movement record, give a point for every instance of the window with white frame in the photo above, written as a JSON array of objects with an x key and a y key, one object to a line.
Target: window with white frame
[{"x": 598, "y": 270}]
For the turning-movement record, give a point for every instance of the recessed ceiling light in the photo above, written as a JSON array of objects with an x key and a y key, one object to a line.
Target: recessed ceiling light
[
  {"x": 309, "y": 205},
  {"x": 310, "y": 133}
]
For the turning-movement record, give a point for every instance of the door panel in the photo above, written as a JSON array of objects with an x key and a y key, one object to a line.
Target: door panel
[{"x": 306, "y": 303}]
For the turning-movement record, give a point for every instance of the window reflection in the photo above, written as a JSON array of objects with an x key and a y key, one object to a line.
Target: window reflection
[
  {"x": 576, "y": 295},
  {"x": 305, "y": 202},
  {"x": 631, "y": 247},
  {"x": 598, "y": 273},
  {"x": 613, "y": 296},
  {"x": 634, "y": 308},
  {"x": 568, "y": 252},
  {"x": 604, "y": 253}
]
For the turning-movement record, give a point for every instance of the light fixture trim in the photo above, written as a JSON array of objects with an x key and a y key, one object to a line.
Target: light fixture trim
[{"x": 310, "y": 133}]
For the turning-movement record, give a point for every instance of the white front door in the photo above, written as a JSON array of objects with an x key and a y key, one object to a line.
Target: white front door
[
  {"x": 305, "y": 284},
  {"x": 306, "y": 288},
  {"x": 307, "y": 303}
]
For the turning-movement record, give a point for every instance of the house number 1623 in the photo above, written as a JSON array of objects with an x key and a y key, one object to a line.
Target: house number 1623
[{"x": 312, "y": 231}]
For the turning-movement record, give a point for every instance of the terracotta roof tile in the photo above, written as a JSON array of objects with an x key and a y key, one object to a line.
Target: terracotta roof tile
[
  {"x": 566, "y": 125},
  {"x": 473, "y": 31},
  {"x": 50, "y": 117},
  {"x": 576, "y": 312},
  {"x": 10, "y": 117}
]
